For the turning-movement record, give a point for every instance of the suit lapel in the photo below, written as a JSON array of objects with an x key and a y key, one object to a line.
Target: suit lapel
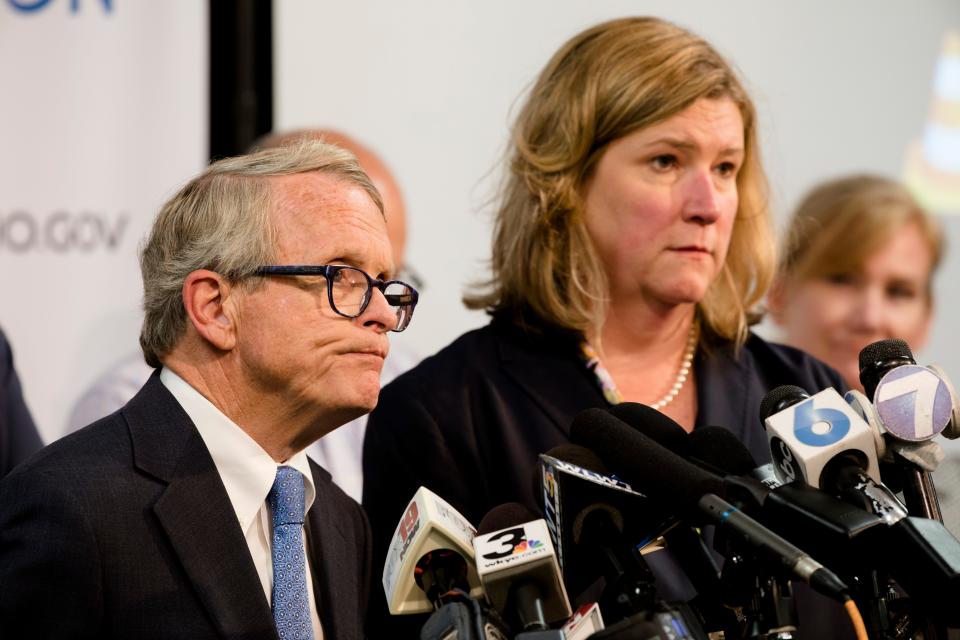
[
  {"x": 334, "y": 583},
  {"x": 196, "y": 514}
]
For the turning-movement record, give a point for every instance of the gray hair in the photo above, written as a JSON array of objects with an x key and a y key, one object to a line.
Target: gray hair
[{"x": 221, "y": 221}]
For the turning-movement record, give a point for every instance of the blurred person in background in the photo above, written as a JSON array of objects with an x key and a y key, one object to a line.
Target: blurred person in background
[
  {"x": 340, "y": 451},
  {"x": 632, "y": 242},
  {"x": 18, "y": 434},
  {"x": 857, "y": 267}
]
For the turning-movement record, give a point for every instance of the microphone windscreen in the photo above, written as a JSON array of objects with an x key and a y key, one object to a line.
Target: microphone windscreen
[
  {"x": 780, "y": 398},
  {"x": 649, "y": 468},
  {"x": 654, "y": 425},
  {"x": 722, "y": 450},
  {"x": 891, "y": 349},
  {"x": 505, "y": 515}
]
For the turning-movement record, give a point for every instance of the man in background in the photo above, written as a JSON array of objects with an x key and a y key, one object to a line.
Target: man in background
[
  {"x": 18, "y": 434},
  {"x": 340, "y": 452}
]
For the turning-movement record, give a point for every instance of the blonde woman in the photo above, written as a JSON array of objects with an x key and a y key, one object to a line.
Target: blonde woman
[
  {"x": 632, "y": 242},
  {"x": 858, "y": 267}
]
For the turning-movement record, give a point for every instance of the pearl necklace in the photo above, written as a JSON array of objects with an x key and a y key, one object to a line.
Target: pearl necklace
[{"x": 684, "y": 370}]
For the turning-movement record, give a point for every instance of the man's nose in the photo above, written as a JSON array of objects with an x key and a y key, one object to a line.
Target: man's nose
[{"x": 379, "y": 315}]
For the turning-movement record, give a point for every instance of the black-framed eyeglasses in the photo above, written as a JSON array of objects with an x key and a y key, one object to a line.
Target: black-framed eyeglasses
[{"x": 350, "y": 289}]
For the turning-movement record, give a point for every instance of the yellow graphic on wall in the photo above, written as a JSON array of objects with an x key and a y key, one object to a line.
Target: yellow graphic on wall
[{"x": 932, "y": 168}]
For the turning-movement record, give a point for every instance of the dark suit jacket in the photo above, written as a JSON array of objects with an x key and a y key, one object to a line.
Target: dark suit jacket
[
  {"x": 18, "y": 435},
  {"x": 124, "y": 530},
  {"x": 469, "y": 422}
]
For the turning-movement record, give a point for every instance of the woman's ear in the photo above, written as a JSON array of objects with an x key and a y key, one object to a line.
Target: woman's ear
[
  {"x": 776, "y": 299},
  {"x": 206, "y": 299}
]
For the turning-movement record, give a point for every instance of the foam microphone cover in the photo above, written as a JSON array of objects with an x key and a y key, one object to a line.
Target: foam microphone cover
[
  {"x": 879, "y": 357},
  {"x": 648, "y": 467},
  {"x": 778, "y": 399},
  {"x": 721, "y": 450},
  {"x": 654, "y": 425},
  {"x": 505, "y": 515}
]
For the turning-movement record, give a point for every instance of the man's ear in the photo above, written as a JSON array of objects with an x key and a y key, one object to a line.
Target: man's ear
[{"x": 206, "y": 299}]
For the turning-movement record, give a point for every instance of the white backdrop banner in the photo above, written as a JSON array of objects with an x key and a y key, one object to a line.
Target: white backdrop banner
[{"x": 104, "y": 115}]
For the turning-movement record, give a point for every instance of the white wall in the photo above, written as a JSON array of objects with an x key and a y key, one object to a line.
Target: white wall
[
  {"x": 841, "y": 86},
  {"x": 103, "y": 115}
]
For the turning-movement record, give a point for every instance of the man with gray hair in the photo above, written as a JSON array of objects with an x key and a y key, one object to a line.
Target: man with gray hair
[{"x": 193, "y": 511}]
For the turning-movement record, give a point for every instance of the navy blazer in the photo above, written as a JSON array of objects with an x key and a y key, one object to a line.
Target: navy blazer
[
  {"x": 124, "y": 530},
  {"x": 470, "y": 421}
]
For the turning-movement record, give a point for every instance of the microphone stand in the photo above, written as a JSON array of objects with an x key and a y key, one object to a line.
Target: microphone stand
[{"x": 920, "y": 494}]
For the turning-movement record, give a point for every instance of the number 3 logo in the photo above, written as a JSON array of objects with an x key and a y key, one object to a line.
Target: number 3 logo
[{"x": 511, "y": 538}]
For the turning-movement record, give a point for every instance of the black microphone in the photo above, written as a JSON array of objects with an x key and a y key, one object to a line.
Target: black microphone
[
  {"x": 919, "y": 553},
  {"x": 654, "y": 425},
  {"x": 598, "y": 527},
  {"x": 463, "y": 619},
  {"x": 690, "y": 550},
  {"x": 667, "y": 477}
]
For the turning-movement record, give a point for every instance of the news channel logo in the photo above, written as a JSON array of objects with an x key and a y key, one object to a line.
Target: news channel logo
[{"x": 74, "y": 6}]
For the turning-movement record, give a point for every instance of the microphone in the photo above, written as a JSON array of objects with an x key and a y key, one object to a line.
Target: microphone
[
  {"x": 919, "y": 553},
  {"x": 811, "y": 437},
  {"x": 463, "y": 619},
  {"x": 668, "y": 478},
  {"x": 653, "y": 424},
  {"x": 518, "y": 569},
  {"x": 595, "y": 521},
  {"x": 584, "y": 623},
  {"x": 430, "y": 555},
  {"x": 913, "y": 404},
  {"x": 689, "y": 549}
]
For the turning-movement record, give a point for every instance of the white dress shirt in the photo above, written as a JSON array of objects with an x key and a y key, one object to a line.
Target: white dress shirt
[{"x": 247, "y": 472}]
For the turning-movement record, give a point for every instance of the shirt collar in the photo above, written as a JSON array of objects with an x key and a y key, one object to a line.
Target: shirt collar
[{"x": 247, "y": 471}]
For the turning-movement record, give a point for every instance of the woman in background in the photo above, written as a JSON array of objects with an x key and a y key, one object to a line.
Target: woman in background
[{"x": 857, "y": 267}]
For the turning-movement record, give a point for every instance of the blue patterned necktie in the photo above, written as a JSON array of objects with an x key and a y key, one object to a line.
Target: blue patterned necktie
[{"x": 291, "y": 612}]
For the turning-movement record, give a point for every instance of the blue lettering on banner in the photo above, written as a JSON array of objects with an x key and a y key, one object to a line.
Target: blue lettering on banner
[
  {"x": 805, "y": 417},
  {"x": 29, "y": 6}
]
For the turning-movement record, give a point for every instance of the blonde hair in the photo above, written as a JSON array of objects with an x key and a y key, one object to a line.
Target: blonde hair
[
  {"x": 604, "y": 83},
  {"x": 840, "y": 223},
  {"x": 221, "y": 221}
]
